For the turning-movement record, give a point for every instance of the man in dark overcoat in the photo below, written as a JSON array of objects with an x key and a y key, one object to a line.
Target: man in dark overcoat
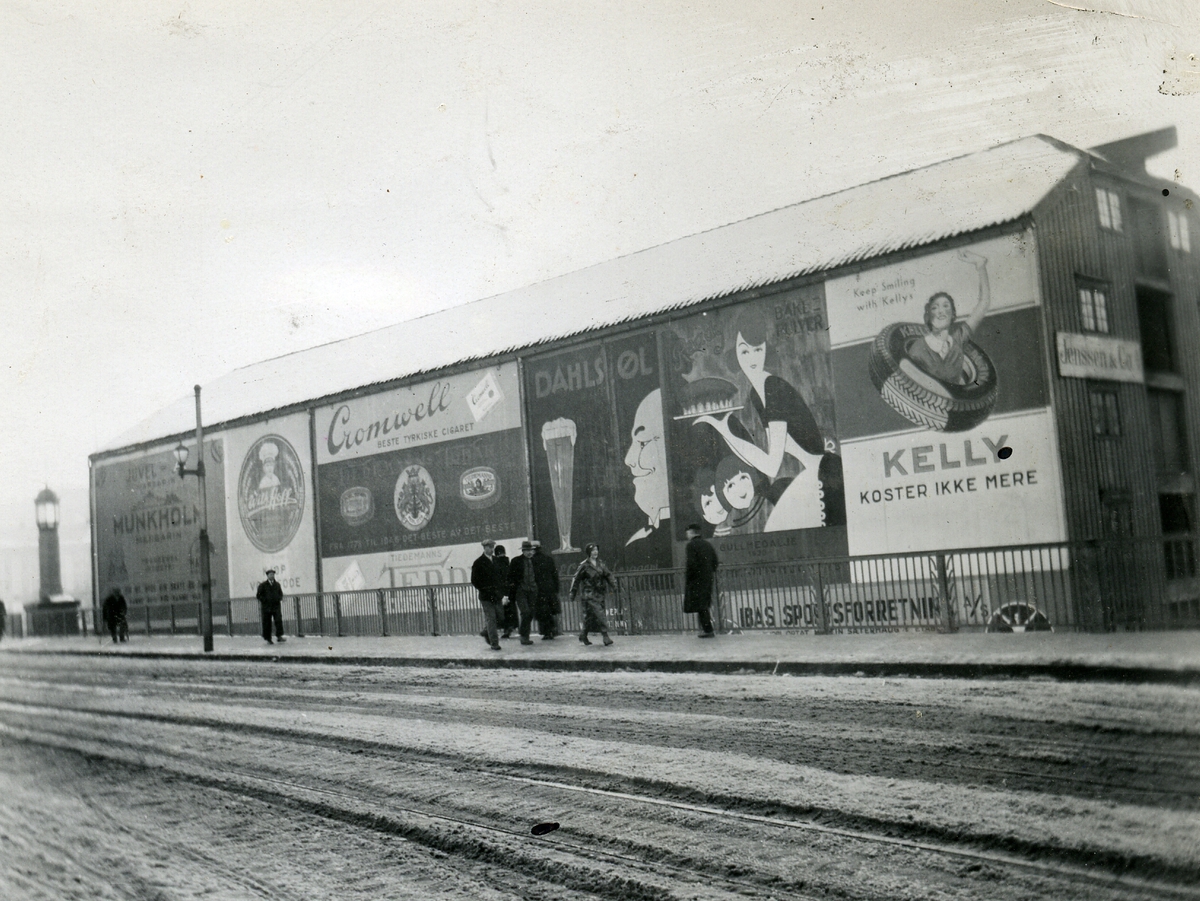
[
  {"x": 700, "y": 568},
  {"x": 484, "y": 577},
  {"x": 549, "y": 608},
  {"x": 508, "y": 607},
  {"x": 270, "y": 600},
  {"x": 114, "y": 611},
  {"x": 522, "y": 588}
]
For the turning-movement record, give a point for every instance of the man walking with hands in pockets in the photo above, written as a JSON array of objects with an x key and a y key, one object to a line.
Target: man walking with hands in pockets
[
  {"x": 484, "y": 578},
  {"x": 270, "y": 599}
]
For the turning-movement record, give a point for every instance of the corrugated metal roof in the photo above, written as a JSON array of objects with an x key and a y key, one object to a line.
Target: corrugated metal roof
[{"x": 908, "y": 210}]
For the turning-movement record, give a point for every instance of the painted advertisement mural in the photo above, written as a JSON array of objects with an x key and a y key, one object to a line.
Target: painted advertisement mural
[
  {"x": 268, "y": 469},
  {"x": 753, "y": 437},
  {"x": 943, "y": 403},
  {"x": 412, "y": 480},
  {"x": 597, "y": 453},
  {"x": 148, "y": 526}
]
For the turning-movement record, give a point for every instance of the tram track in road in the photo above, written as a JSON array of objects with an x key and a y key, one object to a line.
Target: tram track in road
[
  {"x": 570, "y": 864},
  {"x": 681, "y": 869},
  {"x": 1089, "y": 767}
]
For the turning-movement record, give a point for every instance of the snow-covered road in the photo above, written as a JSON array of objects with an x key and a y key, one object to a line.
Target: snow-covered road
[{"x": 189, "y": 779}]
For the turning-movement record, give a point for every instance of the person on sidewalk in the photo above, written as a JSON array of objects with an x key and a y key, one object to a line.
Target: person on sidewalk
[
  {"x": 114, "y": 610},
  {"x": 484, "y": 578},
  {"x": 549, "y": 608},
  {"x": 270, "y": 601},
  {"x": 700, "y": 567},
  {"x": 508, "y": 607},
  {"x": 591, "y": 585},
  {"x": 522, "y": 588}
]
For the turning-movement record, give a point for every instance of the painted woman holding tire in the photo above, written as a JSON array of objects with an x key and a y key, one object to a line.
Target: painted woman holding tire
[
  {"x": 794, "y": 459},
  {"x": 941, "y": 352},
  {"x": 591, "y": 585}
]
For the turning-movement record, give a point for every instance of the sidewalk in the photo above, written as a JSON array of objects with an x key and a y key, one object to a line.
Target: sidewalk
[{"x": 1172, "y": 657}]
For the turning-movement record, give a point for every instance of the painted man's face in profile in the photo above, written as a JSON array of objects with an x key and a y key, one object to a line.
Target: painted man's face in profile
[{"x": 645, "y": 459}]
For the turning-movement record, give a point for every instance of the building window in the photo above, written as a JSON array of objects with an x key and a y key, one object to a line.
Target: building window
[
  {"x": 1109, "y": 205},
  {"x": 1154, "y": 320},
  {"x": 1177, "y": 226},
  {"x": 1179, "y": 552},
  {"x": 1106, "y": 415},
  {"x": 1167, "y": 431},
  {"x": 1093, "y": 308},
  {"x": 1149, "y": 239}
]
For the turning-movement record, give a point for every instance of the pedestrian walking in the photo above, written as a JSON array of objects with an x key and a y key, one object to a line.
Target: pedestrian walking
[
  {"x": 700, "y": 568},
  {"x": 113, "y": 611},
  {"x": 270, "y": 600},
  {"x": 522, "y": 588},
  {"x": 591, "y": 585},
  {"x": 549, "y": 608},
  {"x": 509, "y": 619},
  {"x": 484, "y": 578}
]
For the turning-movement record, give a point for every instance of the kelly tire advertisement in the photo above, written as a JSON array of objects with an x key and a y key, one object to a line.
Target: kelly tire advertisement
[{"x": 923, "y": 399}]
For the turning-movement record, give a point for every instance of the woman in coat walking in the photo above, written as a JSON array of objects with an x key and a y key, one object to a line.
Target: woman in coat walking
[{"x": 591, "y": 583}]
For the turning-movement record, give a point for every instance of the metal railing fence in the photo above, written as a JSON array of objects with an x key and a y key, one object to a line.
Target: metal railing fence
[{"x": 1091, "y": 586}]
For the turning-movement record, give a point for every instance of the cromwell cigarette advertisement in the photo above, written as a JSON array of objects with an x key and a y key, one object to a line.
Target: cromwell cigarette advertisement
[
  {"x": 412, "y": 480},
  {"x": 148, "y": 526},
  {"x": 943, "y": 404}
]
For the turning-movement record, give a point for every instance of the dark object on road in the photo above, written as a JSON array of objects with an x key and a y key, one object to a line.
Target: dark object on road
[{"x": 544, "y": 828}]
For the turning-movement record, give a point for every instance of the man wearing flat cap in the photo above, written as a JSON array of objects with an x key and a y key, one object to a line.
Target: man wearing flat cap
[
  {"x": 523, "y": 589},
  {"x": 491, "y": 595},
  {"x": 270, "y": 600}
]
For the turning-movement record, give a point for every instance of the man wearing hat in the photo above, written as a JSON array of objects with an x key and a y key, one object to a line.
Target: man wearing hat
[
  {"x": 270, "y": 599},
  {"x": 548, "y": 608},
  {"x": 523, "y": 589},
  {"x": 483, "y": 577},
  {"x": 699, "y": 572}
]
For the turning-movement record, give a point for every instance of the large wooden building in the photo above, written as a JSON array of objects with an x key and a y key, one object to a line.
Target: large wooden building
[{"x": 997, "y": 351}]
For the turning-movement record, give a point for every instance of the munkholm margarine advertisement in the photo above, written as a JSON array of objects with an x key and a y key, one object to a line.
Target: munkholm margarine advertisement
[
  {"x": 412, "y": 480},
  {"x": 269, "y": 505},
  {"x": 942, "y": 399},
  {"x": 148, "y": 524}
]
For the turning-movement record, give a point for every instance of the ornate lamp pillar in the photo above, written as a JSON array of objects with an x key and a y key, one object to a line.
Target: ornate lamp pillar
[
  {"x": 49, "y": 566},
  {"x": 181, "y": 456}
]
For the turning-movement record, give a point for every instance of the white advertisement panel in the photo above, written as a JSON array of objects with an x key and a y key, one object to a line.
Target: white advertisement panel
[
  {"x": 269, "y": 506},
  {"x": 994, "y": 485},
  {"x": 864, "y": 304},
  {"x": 940, "y": 367}
]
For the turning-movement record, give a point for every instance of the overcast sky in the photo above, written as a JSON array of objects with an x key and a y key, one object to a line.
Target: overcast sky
[{"x": 188, "y": 189}]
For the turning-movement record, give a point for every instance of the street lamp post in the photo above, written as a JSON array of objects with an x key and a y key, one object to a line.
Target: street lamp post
[{"x": 181, "y": 455}]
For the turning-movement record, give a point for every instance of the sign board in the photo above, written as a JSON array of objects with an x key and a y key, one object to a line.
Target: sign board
[
  {"x": 1099, "y": 357},
  {"x": 269, "y": 505},
  {"x": 412, "y": 480},
  {"x": 148, "y": 525}
]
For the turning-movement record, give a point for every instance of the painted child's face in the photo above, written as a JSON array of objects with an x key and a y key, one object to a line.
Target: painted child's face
[
  {"x": 739, "y": 491},
  {"x": 710, "y": 507}
]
